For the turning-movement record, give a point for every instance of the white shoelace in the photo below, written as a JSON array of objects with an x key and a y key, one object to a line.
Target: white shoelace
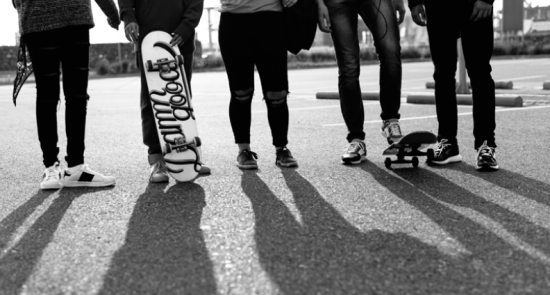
[
  {"x": 353, "y": 147},
  {"x": 395, "y": 130},
  {"x": 486, "y": 151},
  {"x": 440, "y": 147},
  {"x": 51, "y": 173}
]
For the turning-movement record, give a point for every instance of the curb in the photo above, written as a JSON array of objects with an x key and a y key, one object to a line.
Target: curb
[
  {"x": 498, "y": 85},
  {"x": 463, "y": 99},
  {"x": 336, "y": 95}
]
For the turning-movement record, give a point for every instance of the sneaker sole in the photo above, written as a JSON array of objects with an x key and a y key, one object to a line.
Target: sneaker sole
[
  {"x": 349, "y": 162},
  {"x": 287, "y": 165},
  {"x": 487, "y": 168},
  {"x": 247, "y": 167},
  {"x": 452, "y": 159},
  {"x": 87, "y": 184},
  {"x": 50, "y": 187}
]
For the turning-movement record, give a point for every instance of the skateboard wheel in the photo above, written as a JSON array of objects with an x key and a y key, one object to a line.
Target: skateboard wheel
[
  {"x": 179, "y": 60},
  {"x": 387, "y": 163},
  {"x": 197, "y": 141},
  {"x": 168, "y": 148},
  {"x": 149, "y": 65},
  {"x": 430, "y": 156},
  {"x": 415, "y": 162}
]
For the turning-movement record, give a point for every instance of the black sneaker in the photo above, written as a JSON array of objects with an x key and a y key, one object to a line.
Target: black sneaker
[
  {"x": 284, "y": 158},
  {"x": 355, "y": 153},
  {"x": 247, "y": 160},
  {"x": 446, "y": 152},
  {"x": 486, "y": 158}
]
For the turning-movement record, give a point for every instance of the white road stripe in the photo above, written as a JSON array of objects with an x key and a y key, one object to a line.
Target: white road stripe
[
  {"x": 522, "y": 78},
  {"x": 434, "y": 116}
]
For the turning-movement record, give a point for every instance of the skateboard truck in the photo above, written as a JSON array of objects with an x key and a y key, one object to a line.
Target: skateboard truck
[
  {"x": 409, "y": 151},
  {"x": 164, "y": 64},
  {"x": 180, "y": 145}
]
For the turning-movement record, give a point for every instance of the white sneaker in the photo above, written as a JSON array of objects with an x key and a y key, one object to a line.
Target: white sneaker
[
  {"x": 51, "y": 178},
  {"x": 391, "y": 130},
  {"x": 83, "y": 176},
  {"x": 158, "y": 172}
]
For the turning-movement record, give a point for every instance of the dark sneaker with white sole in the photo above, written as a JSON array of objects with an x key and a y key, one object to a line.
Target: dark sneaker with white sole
[
  {"x": 159, "y": 173},
  {"x": 355, "y": 153},
  {"x": 247, "y": 160},
  {"x": 83, "y": 176},
  {"x": 284, "y": 158},
  {"x": 486, "y": 158},
  {"x": 446, "y": 152}
]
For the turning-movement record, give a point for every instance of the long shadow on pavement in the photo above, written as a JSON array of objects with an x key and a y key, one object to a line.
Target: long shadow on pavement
[
  {"x": 324, "y": 254},
  {"x": 18, "y": 264},
  {"x": 164, "y": 251},
  {"x": 446, "y": 191},
  {"x": 15, "y": 219},
  {"x": 530, "y": 188},
  {"x": 496, "y": 266}
]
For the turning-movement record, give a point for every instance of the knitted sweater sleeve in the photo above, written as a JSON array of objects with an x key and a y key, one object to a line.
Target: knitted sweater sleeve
[
  {"x": 109, "y": 8},
  {"x": 190, "y": 20}
]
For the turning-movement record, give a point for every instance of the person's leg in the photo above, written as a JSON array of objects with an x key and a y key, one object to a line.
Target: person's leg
[
  {"x": 443, "y": 33},
  {"x": 148, "y": 125},
  {"x": 235, "y": 40},
  {"x": 75, "y": 87},
  {"x": 343, "y": 18},
  {"x": 477, "y": 41},
  {"x": 270, "y": 56},
  {"x": 45, "y": 52},
  {"x": 74, "y": 63},
  {"x": 380, "y": 18}
]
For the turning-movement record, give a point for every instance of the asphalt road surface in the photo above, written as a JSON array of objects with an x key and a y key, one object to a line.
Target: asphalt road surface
[{"x": 322, "y": 228}]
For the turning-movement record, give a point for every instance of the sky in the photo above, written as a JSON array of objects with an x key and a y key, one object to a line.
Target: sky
[{"x": 102, "y": 33}]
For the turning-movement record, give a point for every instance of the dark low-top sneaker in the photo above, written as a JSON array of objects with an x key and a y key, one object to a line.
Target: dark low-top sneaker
[
  {"x": 247, "y": 160},
  {"x": 284, "y": 158},
  {"x": 446, "y": 152},
  {"x": 486, "y": 158}
]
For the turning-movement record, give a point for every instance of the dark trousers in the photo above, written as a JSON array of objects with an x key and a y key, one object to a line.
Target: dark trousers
[
  {"x": 148, "y": 125},
  {"x": 445, "y": 26},
  {"x": 255, "y": 39},
  {"x": 67, "y": 48},
  {"x": 380, "y": 17}
]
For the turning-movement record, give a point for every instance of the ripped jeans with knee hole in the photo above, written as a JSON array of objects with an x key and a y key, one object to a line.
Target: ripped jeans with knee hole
[{"x": 248, "y": 41}]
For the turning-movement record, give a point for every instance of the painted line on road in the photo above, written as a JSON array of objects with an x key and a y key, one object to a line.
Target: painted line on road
[
  {"x": 291, "y": 110},
  {"x": 434, "y": 116}
]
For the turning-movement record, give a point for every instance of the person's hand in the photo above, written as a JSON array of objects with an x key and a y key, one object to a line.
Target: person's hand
[
  {"x": 400, "y": 7},
  {"x": 177, "y": 40},
  {"x": 113, "y": 23},
  {"x": 419, "y": 15},
  {"x": 132, "y": 32},
  {"x": 481, "y": 10},
  {"x": 323, "y": 17},
  {"x": 289, "y": 3}
]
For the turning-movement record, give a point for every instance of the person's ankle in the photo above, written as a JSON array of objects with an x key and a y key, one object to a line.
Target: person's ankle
[{"x": 243, "y": 146}]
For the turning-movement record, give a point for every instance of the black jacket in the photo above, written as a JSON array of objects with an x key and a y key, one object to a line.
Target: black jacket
[
  {"x": 171, "y": 16},
  {"x": 301, "y": 25}
]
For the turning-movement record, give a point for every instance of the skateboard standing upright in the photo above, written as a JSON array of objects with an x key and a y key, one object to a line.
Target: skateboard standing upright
[
  {"x": 411, "y": 145},
  {"x": 172, "y": 108}
]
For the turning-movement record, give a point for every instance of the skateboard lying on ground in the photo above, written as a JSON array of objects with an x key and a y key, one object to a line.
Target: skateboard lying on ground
[
  {"x": 411, "y": 145},
  {"x": 171, "y": 101}
]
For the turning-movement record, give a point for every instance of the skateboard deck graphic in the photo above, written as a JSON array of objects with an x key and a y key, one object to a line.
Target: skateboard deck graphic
[
  {"x": 411, "y": 145},
  {"x": 172, "y": 106}
]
